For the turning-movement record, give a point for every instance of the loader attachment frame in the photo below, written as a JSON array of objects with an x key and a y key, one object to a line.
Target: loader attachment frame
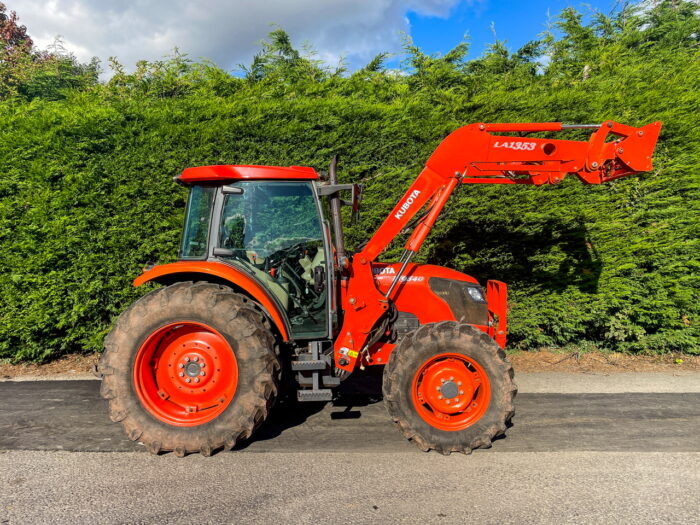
[{"x": 478, "y": 154}]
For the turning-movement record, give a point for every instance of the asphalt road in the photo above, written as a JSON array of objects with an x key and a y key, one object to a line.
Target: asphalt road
[{"x": 623, "y": 457}]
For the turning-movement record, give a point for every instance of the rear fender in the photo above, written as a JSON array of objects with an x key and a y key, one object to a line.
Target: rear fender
[{"x": 218, "y": 272}]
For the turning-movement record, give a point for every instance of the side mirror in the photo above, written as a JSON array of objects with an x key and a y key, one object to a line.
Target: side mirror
[
  {"x": 319, "y": 279},
  {"x": 333, "y": 191}
]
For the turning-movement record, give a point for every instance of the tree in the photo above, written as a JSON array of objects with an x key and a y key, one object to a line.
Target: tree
[
  {"x": 13, "y": 37},
  {"x": 30, "y": 73},
  {"x": 15, "y": 49}
]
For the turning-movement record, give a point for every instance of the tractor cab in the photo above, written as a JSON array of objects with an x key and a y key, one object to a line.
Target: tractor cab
[{"x": 268, "y": 223}]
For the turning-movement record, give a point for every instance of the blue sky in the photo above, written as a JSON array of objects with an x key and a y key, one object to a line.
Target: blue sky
[
  {"x": 515, "y": 22},
  {"x": 229, "y": 31}
]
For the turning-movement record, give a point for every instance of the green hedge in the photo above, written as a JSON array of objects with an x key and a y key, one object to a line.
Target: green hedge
[{"x": 86, "y": 196}]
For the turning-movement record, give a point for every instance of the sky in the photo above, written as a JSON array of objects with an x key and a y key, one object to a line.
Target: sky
[{"x": 229, "y": 31}]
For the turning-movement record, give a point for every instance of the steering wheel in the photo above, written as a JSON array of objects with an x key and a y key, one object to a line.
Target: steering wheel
[
  {"x": 279, "y": 260},
  {"x": 279, "y": 257}
]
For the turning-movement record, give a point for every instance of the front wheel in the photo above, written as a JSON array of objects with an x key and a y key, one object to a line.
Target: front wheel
[
  {"x": 190, "y": 367},
  {"x": 449, "y": 387}
]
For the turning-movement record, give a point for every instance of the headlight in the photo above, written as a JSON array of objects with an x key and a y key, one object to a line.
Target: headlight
[
  {"x": 465, "y": 299},
  {"x": 475, "y": 293}
]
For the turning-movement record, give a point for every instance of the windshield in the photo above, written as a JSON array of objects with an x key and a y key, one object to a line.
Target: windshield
[
  {"x": 274, "y": 231},
  {"x": 197, "y": 218}
]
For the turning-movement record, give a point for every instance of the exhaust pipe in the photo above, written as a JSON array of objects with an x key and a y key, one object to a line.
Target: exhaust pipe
[{"x": 336, "y": 218}]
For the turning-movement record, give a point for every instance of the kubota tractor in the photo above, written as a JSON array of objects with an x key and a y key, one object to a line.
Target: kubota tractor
[{"x": 264, "y": 286}]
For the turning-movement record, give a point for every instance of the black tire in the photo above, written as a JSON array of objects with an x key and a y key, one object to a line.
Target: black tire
[
  {"x": 420, "y": 346},
  {"x": 246, "y": 329}
]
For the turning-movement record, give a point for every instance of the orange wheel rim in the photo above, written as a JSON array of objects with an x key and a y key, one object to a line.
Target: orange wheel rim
[
  {"x": 451, "y": 391},
  {"x": 185, "y": 374}
]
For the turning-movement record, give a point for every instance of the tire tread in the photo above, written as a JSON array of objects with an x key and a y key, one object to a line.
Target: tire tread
[
  {"x": 263, "y": 368},
  {"x": 448, "y": 333}
]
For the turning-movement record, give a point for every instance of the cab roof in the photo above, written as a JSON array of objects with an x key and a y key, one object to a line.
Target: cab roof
[{"x": 227, "y": 172}]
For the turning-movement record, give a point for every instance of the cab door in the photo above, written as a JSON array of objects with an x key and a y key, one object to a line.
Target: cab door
[{"x": 274, "y": 231}]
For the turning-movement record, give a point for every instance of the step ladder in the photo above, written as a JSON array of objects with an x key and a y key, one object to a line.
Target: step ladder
[{"x": 314, "y": 372}]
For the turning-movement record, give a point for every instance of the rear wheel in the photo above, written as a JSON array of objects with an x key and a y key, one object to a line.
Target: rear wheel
[
  {"x": 190, "y": 367},
  {"x": 449, "y": 387}
]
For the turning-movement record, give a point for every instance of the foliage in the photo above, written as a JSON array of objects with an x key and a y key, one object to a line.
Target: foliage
[
  {"x": 27, "y": 73},
  {"x": 86, "y": 197}
]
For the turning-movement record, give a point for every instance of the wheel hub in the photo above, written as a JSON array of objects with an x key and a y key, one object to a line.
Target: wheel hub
[
  {"x": 194, "y": 358},
  {"x": 447, "y": 386},
  {"x": 193, "y": 369},
  {"x": 451, "y": 391},
  {"x": 186, "y": 374}
]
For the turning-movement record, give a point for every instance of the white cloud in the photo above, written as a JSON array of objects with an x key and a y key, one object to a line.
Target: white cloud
[{"x": 227, "y": 32}]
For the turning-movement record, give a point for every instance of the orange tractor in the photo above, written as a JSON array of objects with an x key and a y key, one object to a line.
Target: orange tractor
[{"x": 264, "y": 287}]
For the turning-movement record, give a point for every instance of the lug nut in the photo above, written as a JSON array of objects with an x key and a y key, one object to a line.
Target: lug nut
[
  {"x": 195, "y": 359},
  {"x": 196, "y": 380},
  {"x": 182, "y": 374},
  {"x": 452, "y": 378},
  {"x": 439, "y": 397},
  {"x": 181, "y": 365},
  {"x": 203, "y": 364},
  {"x": 442, "y": 380},
  {"x": 457, "y": 400},
  {"x": 461, "y": 392},
  {"x": 187, "y": 359},
  {"x": 448, "y": 401},
  {"x": 202, "y": 373},
  {"x": 437, "y": 388},
  {"x": 459, "y": 383},
  {"x": 188, "y": 380}
]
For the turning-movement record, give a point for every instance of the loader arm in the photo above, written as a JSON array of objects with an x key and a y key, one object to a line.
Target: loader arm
[{"x": 474, "y": 154}]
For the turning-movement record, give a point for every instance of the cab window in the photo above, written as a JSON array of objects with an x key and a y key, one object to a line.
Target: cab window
[
  {"x": 197, "y": 219},
  {"x": 273, "y": 230}
]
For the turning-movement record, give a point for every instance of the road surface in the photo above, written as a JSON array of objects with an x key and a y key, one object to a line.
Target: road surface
[{"x": 575, "y": 456}]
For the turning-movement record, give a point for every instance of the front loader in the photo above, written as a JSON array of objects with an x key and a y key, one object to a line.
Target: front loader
[{"x": 264, "y": 285}]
